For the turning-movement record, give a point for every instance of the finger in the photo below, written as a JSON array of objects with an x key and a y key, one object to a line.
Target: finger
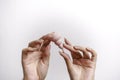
[
  {"x": 66, "y": 58},
  {"x": 85, "y": 52},
  {"x": 47, "y": 37},
  {"x": 93, "y": 52},
  {"x": 68, "y": 47},
  {"x": 52, "y": 37},
  {"x": 44, "y": 45},
  {"x": 47, "y": 50},
  {"x": 67, "y": 42},
  {"x": 29, "y": 49},
  {"x": 35, "y": 44},
  {"x": 59, "y": 43},
  {"x": 74, "y": 53}
]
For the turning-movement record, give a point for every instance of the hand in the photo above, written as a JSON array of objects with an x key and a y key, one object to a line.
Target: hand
[
  {"x": 35, "y": 60},
  {"x": 55, "y": 37},
  {"x": 81, "y": 67}
]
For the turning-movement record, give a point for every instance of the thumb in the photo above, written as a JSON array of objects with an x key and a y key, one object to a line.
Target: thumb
[{"x": 66, "y": 58}]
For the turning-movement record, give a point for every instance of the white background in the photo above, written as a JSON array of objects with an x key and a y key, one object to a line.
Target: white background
[{"x": 88, "y": 23}]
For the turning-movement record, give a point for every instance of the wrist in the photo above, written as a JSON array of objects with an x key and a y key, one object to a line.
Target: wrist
[
  {"x": 30, "y": 78},
  {"x": 30, "y": 74},
  {"x": 88, "y": 76}
]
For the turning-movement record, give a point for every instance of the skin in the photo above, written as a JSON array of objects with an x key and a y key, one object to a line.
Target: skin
[
  {"x": 55, "y": 37},
  {"x": 35, "y": 60},
  {"x": 81, "y": 67}
]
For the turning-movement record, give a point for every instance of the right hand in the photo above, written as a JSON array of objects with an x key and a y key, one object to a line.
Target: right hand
[
  {"x": 35, "y": 60},
  {"x": 80, "y": 67}
]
